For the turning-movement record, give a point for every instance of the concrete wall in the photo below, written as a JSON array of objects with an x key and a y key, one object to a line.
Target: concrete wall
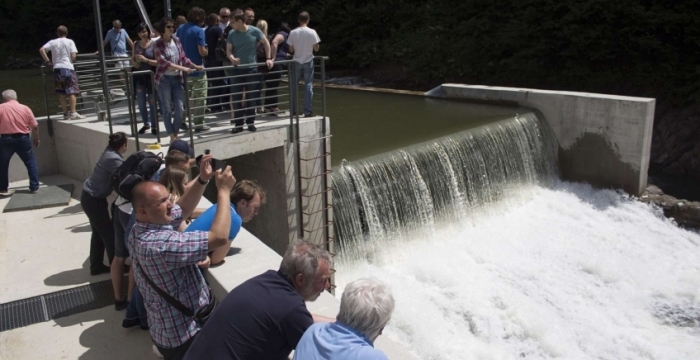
[{"x": 604, "y": 140}]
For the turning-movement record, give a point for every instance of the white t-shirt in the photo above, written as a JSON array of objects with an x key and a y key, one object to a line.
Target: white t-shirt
[
  {"x": 303, "y": 39},
  {"x": 124, "y": 205},
  {"x": 61, "y": 49}
]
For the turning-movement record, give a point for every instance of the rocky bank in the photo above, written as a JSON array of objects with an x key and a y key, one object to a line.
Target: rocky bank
[{"x": 685, "y": 213}]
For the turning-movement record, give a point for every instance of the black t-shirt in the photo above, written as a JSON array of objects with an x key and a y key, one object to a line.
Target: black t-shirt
[
  {"x": 211, "y": 36},
  {"x": 261, "y": 319}
]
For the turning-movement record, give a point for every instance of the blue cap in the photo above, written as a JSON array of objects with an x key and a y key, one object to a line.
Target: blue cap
[{"x": 182, "y": 145}]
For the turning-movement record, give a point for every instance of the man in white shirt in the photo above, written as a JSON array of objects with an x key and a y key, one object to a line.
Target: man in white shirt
[
  {"x": 303, "y": 42},
  {"x": 224, "y": 17},
  {"x": 63, "y": 54}
]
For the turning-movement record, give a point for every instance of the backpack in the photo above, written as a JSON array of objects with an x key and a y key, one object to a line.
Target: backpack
[
  {"x": 220, "y": 50},
  {"x": 140, "y": 166}
]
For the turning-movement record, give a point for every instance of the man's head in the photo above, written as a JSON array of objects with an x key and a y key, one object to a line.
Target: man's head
[
  {"x": 178, "y": 159},
  {"x": 9, "y": 94},
  {"x": 308, "y": 267},
  {"x": 224, "y": 15},
  {"x": 304, "y": 18},
  {"x": 151, "y": 202},
  {"x": 62, "y": 31},
  {"x": 249, "y": 16},
  {"x": 183, "y": 146},
  {"x": 366, "y": 306},
  {"x": 117, "y": 25},
  {"x": 213, "y": 19},
  {"x": 247, "y": 196},
  {"x": 196, "y": 15}
]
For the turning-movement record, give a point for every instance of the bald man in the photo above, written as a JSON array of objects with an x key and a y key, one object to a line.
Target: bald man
[{"x": 167, "y": 259}]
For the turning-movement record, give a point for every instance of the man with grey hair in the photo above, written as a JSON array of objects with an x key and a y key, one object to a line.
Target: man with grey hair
[
  {"x": 365, "y": 309},
  {"x": 16, "y": 122},
  {"x": 264, "y": 317},
  {"x": 118, "y": 38}
]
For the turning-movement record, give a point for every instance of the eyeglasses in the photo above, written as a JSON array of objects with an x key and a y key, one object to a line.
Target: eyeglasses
[
  {"x": 223, "y": 16},
  {"x": 170, "y": 26}
]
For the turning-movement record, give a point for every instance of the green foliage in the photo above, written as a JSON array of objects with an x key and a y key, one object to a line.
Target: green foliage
[{"x": 634, "y": 47}]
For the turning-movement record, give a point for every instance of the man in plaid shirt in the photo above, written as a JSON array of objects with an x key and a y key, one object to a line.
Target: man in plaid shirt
[{"x": 169, "y": 258}]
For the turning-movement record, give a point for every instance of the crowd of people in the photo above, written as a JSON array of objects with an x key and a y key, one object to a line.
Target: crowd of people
[
  {"x": 171, "y": 243},
  {"x": 189, "y": 45}
]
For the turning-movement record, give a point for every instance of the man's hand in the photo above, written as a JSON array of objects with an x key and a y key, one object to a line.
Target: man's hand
[
  {"x": 269, "y": 63},
  {"x": 205, "y": 170},
  {"x": 235, "y": 61},
  {"x": 199, "y": 67},
  {"x": 204, "y": 264},
  {"x": 36, "y": 142},
  {"x": 49, "y": 64},
  {"x": 225, "y": 179}
]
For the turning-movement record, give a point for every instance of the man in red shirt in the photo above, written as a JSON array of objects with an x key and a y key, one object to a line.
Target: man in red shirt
[{"x": 16, "y": 122}]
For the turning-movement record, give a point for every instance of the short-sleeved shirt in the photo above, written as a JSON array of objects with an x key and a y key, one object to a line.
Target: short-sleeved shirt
[
  {"x": 61, "y": 49},
  {"x": 191, "y": 36},
  {"x": 261, "y": 319},
  {"x": 16, "y": 118},
  {"x": 245, "y": 44},
  {"x": 204, "y": 222},
  {"x": 117, "y": 41},
  {"x": 335, "y": 341},
  {"x": 99, "y": 183},
  {"x": 303, "y": 40},
  {"x": 170, "y": 259}
]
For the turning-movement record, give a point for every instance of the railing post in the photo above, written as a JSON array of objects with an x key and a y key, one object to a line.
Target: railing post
[
  {"x": 187, "y": 109},
  {"x": 291, "y": 73},
  {"x": 129, "y": 78},
  {"x": 103, "y": 70},
  {"x": 323, "y": 91},
  {"x": 49, "y": 124},
  {"x": 155, "y": 105}
]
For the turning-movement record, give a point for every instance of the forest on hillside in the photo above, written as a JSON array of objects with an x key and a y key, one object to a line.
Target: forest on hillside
[{"x": 628, "y": 47}]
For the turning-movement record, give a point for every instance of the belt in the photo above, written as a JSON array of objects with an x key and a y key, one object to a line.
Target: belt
[{"x": 17, "y": 135}]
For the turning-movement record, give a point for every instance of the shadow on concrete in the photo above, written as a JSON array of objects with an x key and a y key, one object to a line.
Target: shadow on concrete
[
  {"x": 68, "y": 210},
  {"x": 233, "y": 251},
  {"x": 75, "y": 276},
  {"x": 85, "y": 227},
  {"x": 108, "y": 340}
]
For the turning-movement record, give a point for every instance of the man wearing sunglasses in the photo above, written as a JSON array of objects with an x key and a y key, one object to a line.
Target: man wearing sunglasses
[{"x": 224, "y": 16}]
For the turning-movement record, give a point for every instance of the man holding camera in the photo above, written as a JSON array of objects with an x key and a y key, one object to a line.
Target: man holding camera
[{"x": 165, "y": 260}]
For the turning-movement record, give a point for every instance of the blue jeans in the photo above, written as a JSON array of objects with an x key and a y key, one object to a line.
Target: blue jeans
[
  {"x": 136, "y": 308},
  {"x": 251, "y": 78},
  {"x": 307, "y": 70},
  {"x": 172, "y": 97},
  {"x": 22, "y": 145},
  {"x": 143, "y": 96}
]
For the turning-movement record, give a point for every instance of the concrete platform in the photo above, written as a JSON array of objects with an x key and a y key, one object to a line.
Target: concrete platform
[{"x": 48, "y": 196}]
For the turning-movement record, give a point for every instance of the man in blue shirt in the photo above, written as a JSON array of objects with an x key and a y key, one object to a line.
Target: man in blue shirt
[
  {"x": 365, "y": 309},
  {"x": 191, "y": 36},
  {"x": 117, "y": 38},
  {"x": 241, "y": 49}
]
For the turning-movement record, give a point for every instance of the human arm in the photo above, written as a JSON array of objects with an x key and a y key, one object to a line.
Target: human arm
[
  {"x": 128, "y": 40},
  {"x": 42, "y": 52},
  {"x": 266, "y": 45},
  {"x": 197, "y": 213},
  {"x": 35, "y": 136},
  {"x": 322, "y": 319},
  {"x": 163, "y": 62},
  {"x": 202, "y": 44},
  {"x": 229, "y": 55},
  {"x": 190, "y": 199},
  {"x": 218, "y": 233},
  {"x": 204, "y": 264},
  {"x": 316, "y": 47},
  {"x": 274, "y": 45}
]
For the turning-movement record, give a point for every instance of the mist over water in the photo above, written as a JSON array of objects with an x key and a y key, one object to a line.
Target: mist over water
[{"x": 527, "y": 267}]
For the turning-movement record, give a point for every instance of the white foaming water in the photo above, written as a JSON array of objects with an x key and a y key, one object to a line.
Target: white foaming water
[{"x": 570, "y": 272}]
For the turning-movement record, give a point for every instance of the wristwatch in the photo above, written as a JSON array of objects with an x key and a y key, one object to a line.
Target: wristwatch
[{"x": 199, "y": 180}]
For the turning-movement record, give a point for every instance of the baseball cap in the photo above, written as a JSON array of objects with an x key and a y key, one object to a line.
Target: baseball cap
[{"x": 182, "y": 145}]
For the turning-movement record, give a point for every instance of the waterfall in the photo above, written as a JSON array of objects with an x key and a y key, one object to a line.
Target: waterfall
[{"x": 414, "y": 189}]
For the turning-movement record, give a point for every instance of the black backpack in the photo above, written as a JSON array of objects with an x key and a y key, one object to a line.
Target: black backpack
[
  {"x": 138, "y": 167},
  {"x": 220, "y": 50}
]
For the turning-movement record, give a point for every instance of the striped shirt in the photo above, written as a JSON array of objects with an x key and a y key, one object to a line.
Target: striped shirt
[{"x": 170, "y": 258}]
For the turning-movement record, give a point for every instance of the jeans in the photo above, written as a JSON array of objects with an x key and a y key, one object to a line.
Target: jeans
[
  {"x": 102, "y": 229},
  {"x": 251, "y": 78},
  {"x": 217, "y": 97},
  {"x": 143, "y": 96},
  {"x": 172, "y": 97},
  {"x": 307, "y": 70},
  {"x": 197, "y": 88},
  {"x": 136, "y": 308},
  {"x": 273, "y": 83},
  {"x": 22, "y": 145}
]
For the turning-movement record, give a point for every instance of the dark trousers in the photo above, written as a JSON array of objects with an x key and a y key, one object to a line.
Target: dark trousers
[
  {"x": 102, "y": 225},
  {"x": 246, "y": 81},
  {"x": 21, "y": 144},
  {"x": 216, "y": 96},
  {"x": 176, "y": 353},
  {"x": 273, "y": 82}
]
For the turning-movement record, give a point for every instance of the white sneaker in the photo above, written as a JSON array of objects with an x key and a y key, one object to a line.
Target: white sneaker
[
  {"x": 156, "y": 352},
  {"x": 76, "y": 116}
]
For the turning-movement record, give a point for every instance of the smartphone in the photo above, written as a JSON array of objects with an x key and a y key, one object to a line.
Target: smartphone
[
  {"x": 216, "y": 164},
  {"x": 207, "y": 152}
]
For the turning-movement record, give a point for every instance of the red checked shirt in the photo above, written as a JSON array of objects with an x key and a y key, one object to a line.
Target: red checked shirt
[
  {"x": 170, "y": 258},
  {"x": 162, "y": 53}
]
